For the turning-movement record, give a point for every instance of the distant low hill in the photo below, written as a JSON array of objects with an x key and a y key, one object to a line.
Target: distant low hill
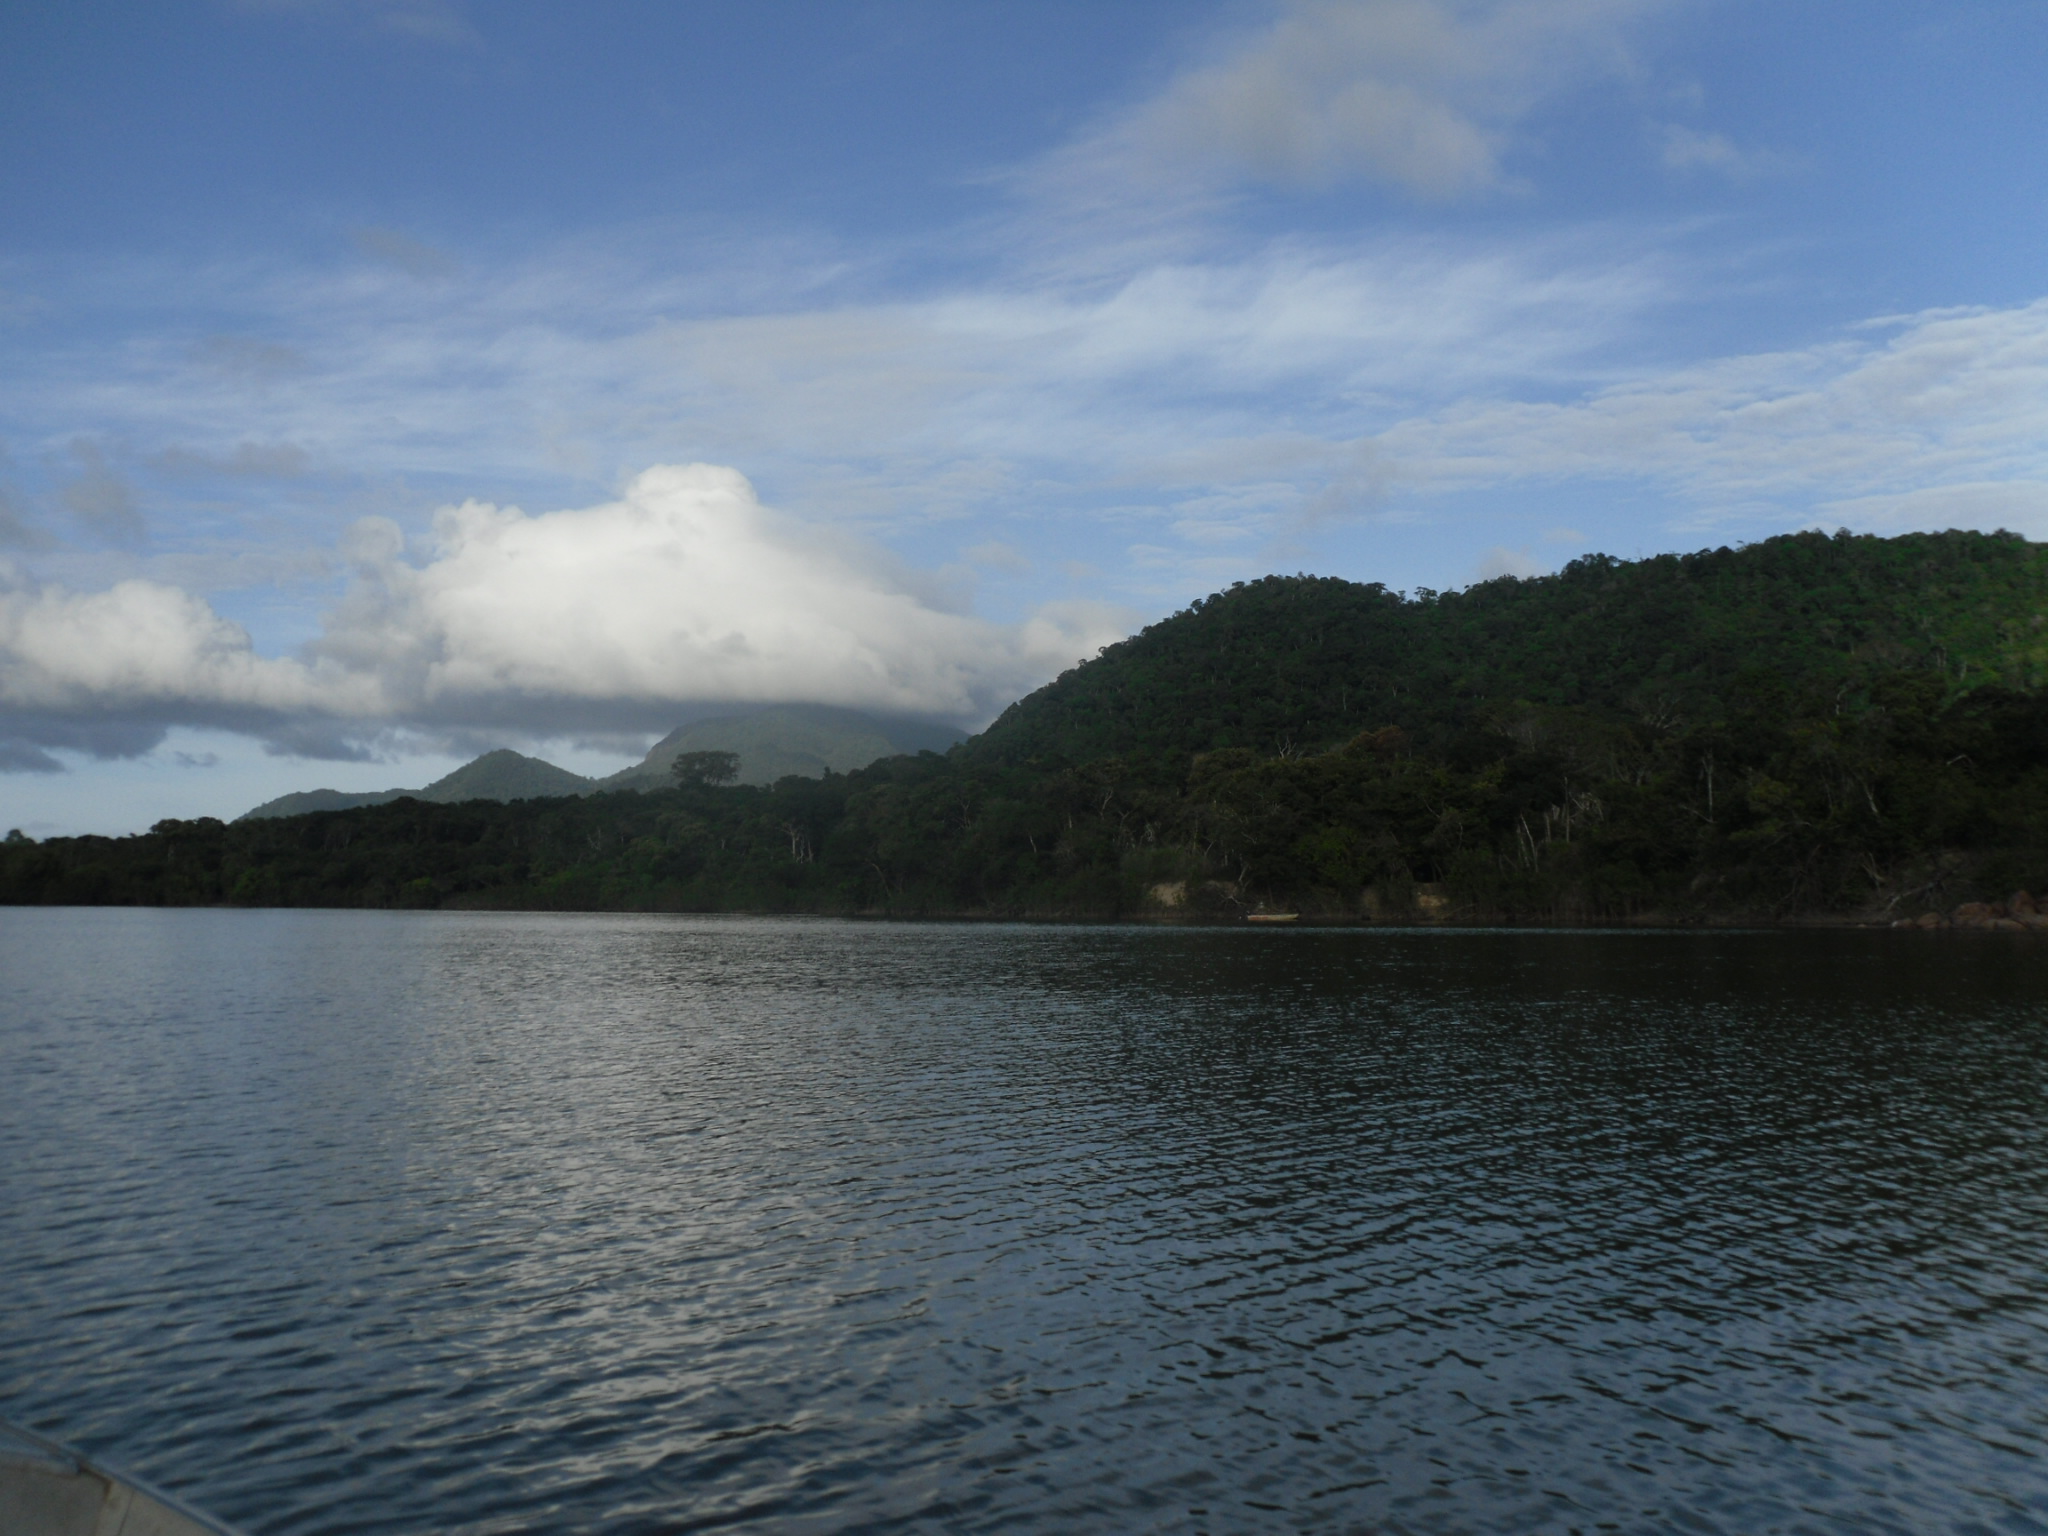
[
  {"x": 499, "y": 775},
  {"x": 808, "y": 740},
  {"x": 804, "y": 739},
  {"x": 505, "y": 775}
]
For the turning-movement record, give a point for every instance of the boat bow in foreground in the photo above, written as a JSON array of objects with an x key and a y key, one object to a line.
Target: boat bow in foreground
[{"x": 47, "y": 1490}]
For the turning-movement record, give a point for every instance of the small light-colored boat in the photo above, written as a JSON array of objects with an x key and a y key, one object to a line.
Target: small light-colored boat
[
  {"x": 47, "y": 1490},
  {"x": 1271, "y": 917}
]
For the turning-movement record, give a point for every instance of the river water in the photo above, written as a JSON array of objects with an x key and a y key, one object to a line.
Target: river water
[{"x": 369, "y": 1222}]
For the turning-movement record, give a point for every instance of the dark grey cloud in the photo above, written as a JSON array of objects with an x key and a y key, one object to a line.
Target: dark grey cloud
[
  {"x": 100, "y": 498},
  {"x": 16, "y": 531},
  {"x": 255, "y": 461},
  {"x": 26, "y": 757},
  {"x": 27, "y": 737},
  {"x": 327, "y": 741}
]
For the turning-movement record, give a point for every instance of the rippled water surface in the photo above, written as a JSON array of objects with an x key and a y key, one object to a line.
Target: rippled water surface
[{"x": 362, "y": 1222}]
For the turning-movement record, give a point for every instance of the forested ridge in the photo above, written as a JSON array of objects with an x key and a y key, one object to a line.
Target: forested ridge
[{"x": 1806, "y": 728}]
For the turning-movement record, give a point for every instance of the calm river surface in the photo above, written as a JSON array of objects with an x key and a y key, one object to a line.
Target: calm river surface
[{"x": 368, "y": 1222}]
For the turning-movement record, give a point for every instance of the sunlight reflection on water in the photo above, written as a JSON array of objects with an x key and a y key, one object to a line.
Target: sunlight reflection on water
[{"x": 363, "y": 1222}]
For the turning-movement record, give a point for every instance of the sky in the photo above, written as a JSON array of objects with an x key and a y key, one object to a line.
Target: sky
[{"x": 386, "y": 381}]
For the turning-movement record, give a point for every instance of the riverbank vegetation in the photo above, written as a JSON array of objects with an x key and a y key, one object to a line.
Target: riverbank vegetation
[{"x": 1806, "y": 728}]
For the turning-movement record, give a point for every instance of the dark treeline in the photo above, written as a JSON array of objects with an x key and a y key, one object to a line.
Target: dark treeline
[{"x": 1808, "y": 727}]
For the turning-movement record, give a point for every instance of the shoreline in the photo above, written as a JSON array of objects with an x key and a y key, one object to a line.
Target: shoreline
[{"x": 1304, "y": 921}]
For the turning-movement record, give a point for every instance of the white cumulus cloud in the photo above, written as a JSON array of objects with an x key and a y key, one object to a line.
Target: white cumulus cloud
[
  {"x": 141, "y": 644},
  {"x": 684, "y": 590}
]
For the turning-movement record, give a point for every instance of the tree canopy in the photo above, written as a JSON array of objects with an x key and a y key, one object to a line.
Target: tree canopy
[
  {"x": 699, "y": 769},
  {"x": 1811, "y": 726}
]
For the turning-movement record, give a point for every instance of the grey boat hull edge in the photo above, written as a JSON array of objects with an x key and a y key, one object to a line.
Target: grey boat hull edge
[{"x": 47, "y": 1490}]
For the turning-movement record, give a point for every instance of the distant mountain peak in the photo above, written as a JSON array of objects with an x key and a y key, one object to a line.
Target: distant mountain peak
[
  {"x": 506, "y": 775},
  {"x": 498, "y": 775},
  {"x": 772, "y": 741}
]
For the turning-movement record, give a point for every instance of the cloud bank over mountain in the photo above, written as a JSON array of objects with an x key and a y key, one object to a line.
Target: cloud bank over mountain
[
  {"x": 685, "y": 590},
  {"x": 1031, "y": 323}
]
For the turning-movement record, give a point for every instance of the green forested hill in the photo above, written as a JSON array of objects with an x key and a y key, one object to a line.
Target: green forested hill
[
  {"x": 1807, "y": 728},
  {"x": 1298, "y": 663},
  {"x": 504, "y": 775}
]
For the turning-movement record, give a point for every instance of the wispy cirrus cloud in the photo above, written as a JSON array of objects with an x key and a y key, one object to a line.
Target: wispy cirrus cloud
[
  {"x": 1686, "y": 150},
  {"x": 1425, "y": 96},
  {"x": 888, "y": 410},
  {"x": 1288, "y": 382},
  {"x": 444, "y": 22},
  {"x": 413, "y": 257},
  {"x": 1915, "y": 416}
]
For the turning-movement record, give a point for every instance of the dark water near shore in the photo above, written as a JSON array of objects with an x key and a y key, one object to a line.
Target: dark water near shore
[{"x": 360, "y": 1222}]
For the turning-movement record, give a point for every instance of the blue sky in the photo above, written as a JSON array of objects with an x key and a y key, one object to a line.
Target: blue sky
[{"x": 388, "y": 380}]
